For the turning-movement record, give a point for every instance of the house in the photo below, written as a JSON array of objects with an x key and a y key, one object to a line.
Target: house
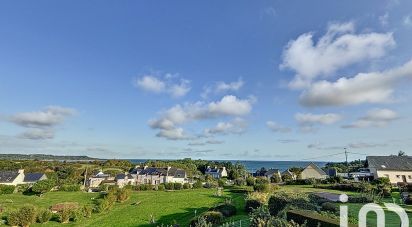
[
  {"x": 396, "y": 168},
  {"x": 216, "y": 172},
  {"x": 124, "y": 179},
  {"x": 268, "y": 173},
  {"x": 95, "y": 180},
  {"x": 288, "y": 174},
  {"x": 12, "y": 177},
  {"x": 31, "y": 178},
  {"x": 156, "y": 175},
  {"x": 313, "y": 171}
]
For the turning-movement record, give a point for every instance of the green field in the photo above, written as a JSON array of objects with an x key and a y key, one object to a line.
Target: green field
[{"x": 166, "y": 207}]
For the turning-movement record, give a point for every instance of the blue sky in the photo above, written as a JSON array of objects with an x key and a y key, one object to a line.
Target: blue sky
[{"x": 261, "y": 80}]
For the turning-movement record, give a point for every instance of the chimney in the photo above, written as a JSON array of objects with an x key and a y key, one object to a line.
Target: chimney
[
  {"x": 145, "y": 167},
  {"x": 168, "y": 168},
  {"x": 223, "y": 168}
]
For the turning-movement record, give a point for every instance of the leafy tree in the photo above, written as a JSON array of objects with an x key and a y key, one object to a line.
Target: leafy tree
[
  {"x": 401, "y": 153},
  {"x": 43, "y": 186}
]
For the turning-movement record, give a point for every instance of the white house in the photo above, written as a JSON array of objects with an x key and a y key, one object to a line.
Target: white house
[
  {"x": 96, "y": 180},
  {"x": 396, "y": 168},
  {"x": 156, "y": 175},
  {"x": 19, "y": 177},
  {"x": 216, "y": 172},
  {"x": 313, "y": 171},
  {"x": 124, "y": 179}
]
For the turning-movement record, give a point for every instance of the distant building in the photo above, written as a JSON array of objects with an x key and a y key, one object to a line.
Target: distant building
[
  {"x": 396, "y": 168},
  {"x": 124, "y": 179},
  {"x": 155, "y": 175},
  {"x": 95, "y": 180},
  {"x": 19, "y": 177},
  {"x": 216, "y": 172},
  {"x": 313, "y": 171},
  {"x": 288, "y": 173},
  {"x": 268, "y": 173}
]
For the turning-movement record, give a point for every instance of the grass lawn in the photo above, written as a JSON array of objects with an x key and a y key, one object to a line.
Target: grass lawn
[
  {"x": 310, "y": 189},
  {"x": 166, "y": 207}
]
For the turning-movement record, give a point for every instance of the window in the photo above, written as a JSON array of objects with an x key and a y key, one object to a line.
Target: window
[
  {"x": 398, "y": 176},
  {"x": 410, "y": 177}
]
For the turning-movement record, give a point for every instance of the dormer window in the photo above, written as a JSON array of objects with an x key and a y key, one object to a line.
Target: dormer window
[{"x": 383, "y": 166}]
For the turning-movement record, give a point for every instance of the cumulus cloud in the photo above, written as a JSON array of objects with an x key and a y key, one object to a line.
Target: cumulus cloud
[
  {"x": 236, "y": 126},
  {"x": 167, "y": 85},
  {"x": 275, "y": 127},
  {"x": 374, "y": 87},
  {"x": 171, "y": 119},
  {"x": 40, "y": 124},
  {"x": 308, "y": 121},
  {"x": 374, "y": 118},
  {"x": 338, "y": 48},
  {"x": 407, "y": 21},
  {"x": 222, "y": 87}
]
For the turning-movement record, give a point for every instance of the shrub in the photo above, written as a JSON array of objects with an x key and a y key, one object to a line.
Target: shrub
[
  {"x": 177, "y": 186},
  {"x": 7, "y": 189},
  {"x": 262, "y": 187},
  {"x": 198, "y": 184},
  {"x": 123, "y": 194},
  {"x": 261, "y": 180},
  {"x": 44, "y": 216},
  {"x": 252, "y": 204},
  {"x": 43, "y": 186},
  {"x": 275, "y": 179},
  {"x": 70, "y": 187},
  {"x": 330, "y": 207},
  {"x": 213, "y": 217},
  {"x": 260, "y": 217},
  {"x": 200, "y": 222},
  {"x": 312, "y": 218},
  {"x": 102, "y": 205},
  {"x": 161, "y": 187},
  {"x": 226, "y": 209},
  {"x": 250, "y": 181},
  {"x": 364, "y": 198},
  {"x": 169, "y": 186},
  {"x": 64, "y": 215},
  {"x": 25, "y": 216},
  {"x": 300, "y": 182},
  {"x": 221, "y": 183},
  {"x": 87, "y": 211},
  {"x": 239, "y": 181},
  {"x": 286, "y": 178},
  {"x": 186, "y": 186},
  {"x": 210, "y": 184},
  {"x": 76, "y": 215},
  {"x": 279, "y": 201},
  {"x": 59, "y": 206},
  {"x": 261, "y": 197}
]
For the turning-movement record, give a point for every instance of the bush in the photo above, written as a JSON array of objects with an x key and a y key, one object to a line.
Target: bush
[
  {"x": 301, "y": 182},
  {"x": 212, "y": 217},
  {"x": 64, "y": 215},
  {"x": 198, "y": 184},
  {"x": 44, "y": 216},
  {"x": 279, "y": 201},
  {"x": 221, "y": 183},
  {"x": 7, "y": 189},
  {"x": 210, "y": 184},
  {"x": 329, "y": 207},
  {"x": 169, "y": 186},
  {"x": 76, "y": 215},
  {"x": 25, "y": 216},
  {"x": 239, "y": 181},
  {"x": 261, "y": 180},
  {"x": 252, "y": 204},
  {"x": 365, "y": 198},
  {"x": 123, "y": 194},
  {"x": 262, "y": 187},
  {"x": 70, "y": 188},
  {"x": 43, "y": 186},
  {"x": 260, "y": 217},
  {"x": 177, "y": 186},
  {"x": 186, "y": 186},
  {"x": 312, "y": 218},
  {"x": 226, "y": 209},
  {"x": 161, "y": 187},
  {"x": 250, "y": 181},
  {"x": 87, "y": 211},
  {"x": 275, "y": 179},
  {"x": 102, "y": 205}
]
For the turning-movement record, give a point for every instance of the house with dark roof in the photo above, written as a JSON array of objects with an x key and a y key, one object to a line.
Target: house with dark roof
[
  {"x": 312, "y": 171},
  {"x": 160, "y": 175},
  {"x": 99, "y": 178},
  {"x": 124, "y": 179},
  {"x": 396, "y": 168},
  {"x": 268, "y": 173},
  {"x": 288, "y": 174},
  {"x": 31, "y": 178},
  {"x": 216, "y": 172}
]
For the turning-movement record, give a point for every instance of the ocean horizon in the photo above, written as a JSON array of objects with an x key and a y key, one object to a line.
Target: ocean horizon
[{"x": 252, "y": 166}]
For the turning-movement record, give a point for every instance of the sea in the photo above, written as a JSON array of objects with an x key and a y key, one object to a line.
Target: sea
[{"x": 252, "y": 166}]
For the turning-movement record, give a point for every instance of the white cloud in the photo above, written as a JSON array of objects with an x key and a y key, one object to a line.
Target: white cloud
[
  {"x": 374, "y": 87},
  {"x": 168, "y": 85},
  {"x": 308, "y": 121},
  {"x": 407, "y": 20},
  {"x": 180, "y": 114},
  {"x": 363, "y": 145},
  {"x": 338, "y": 48},
  {"x": 37, "y": 134},
  {"x": 383, "y": 19},
  {"x": 275, "y": 127},
  {"x": 222, "y": 87},
  {"x": 374, "y": 118},
  {"x": 236, "y": 126}
]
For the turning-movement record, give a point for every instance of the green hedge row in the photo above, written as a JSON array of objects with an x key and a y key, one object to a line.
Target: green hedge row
[{"x": 312, "y": 219}]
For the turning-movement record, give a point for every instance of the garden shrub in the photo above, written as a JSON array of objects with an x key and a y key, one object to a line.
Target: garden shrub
[
  {"x": 221, "y": 183},
  {"x": 262, "y": 187},
  {"x": 76, "y": 215},
  {"x": 25, "y": 216},
  {"x": 300, "y": 182},
  {"x": 210, "y": 184},
  {"x": 43, "y": 186},
  {"x": 161, "y": 187},
  {"x": 279, "y": 201},
  {"x": 59, "y": 206},
  {"x": 312, "y": 218},
  {"x": 198, "y": 184},
  {"x": 169, "y": 186},
  {"x": 44, "y": 216},
  {"x": 250, "y": 181},
  {"x": 330, "y": 207},
  {"x": 70, "y": 188},
  {"x": 102, "y": 205},
  {"x": 13, "y": 218},
  {"x": 364, "y": 198},
  {"x": 7, "y": 189},
  {"x": 275, "y": 179},
  {"x": 200, "y": 222},
  {"x": 239, "y": 181},
  {"x": 65, "y": 214},
  {"x": 177, "y": 186},
  {"x": 226, "y": 209},
  {"x": 213, "y": 217},
  {"x": 186, "y": 186},
  {"x": 252, "y": 204},
  {"x": 123, "y": 194},
  {"x": 87, "y": 211},
  {"x": 261, "y": 180}
]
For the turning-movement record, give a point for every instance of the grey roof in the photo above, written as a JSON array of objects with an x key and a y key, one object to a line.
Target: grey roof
[
  {"x": 123, "y": 176},
  {"x": 390, "y": 162},
  {"x": 33, "y": 177},
  {"x": 287, "y": 172},
  {"x": 8, "y": 176},
  {"x": 175, "y": 172},
  {"x": 213, "y": 170},
  {"x": 271, "y": 172}
]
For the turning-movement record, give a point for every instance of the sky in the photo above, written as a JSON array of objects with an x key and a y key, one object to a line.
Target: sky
[{"x": 222, "y": 80}]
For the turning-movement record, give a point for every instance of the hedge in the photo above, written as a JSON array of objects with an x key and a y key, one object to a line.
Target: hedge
[
  {"x": 312, "y": 218},
  {"x": 7, "y": 189},
  {"x": 226, "y": 209}
]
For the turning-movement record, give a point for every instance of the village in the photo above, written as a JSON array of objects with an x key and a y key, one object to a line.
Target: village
[{"x": 313, "y": 189}]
